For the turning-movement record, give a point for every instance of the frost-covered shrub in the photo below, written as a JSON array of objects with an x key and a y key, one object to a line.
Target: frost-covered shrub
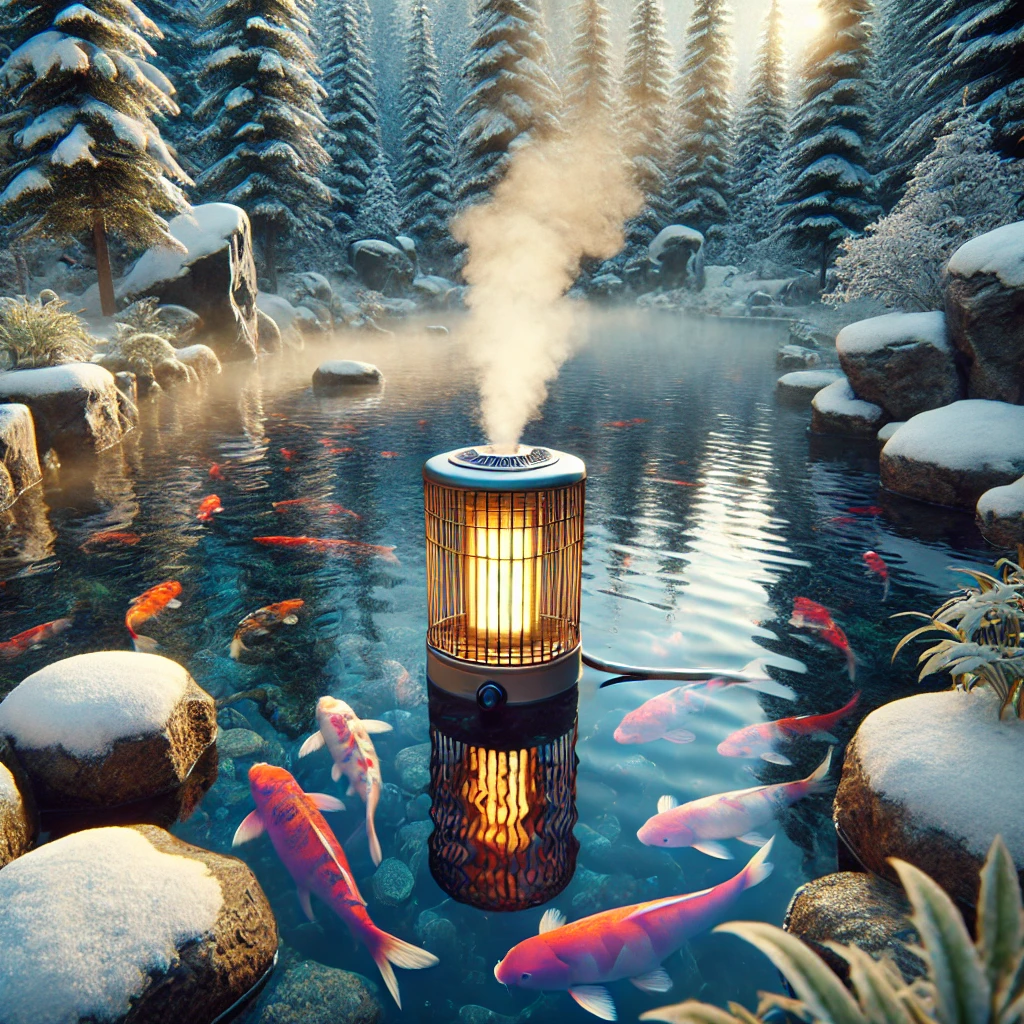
[
  {"x": 961, "y": 189},
  {"x": 34, "y": 334}
]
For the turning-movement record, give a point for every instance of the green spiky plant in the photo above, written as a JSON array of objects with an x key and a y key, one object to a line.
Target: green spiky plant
[
  {"x": 35, "y": 334},
  {"x": 980, "y": 982},
  {"x": 982, "y": 645}
]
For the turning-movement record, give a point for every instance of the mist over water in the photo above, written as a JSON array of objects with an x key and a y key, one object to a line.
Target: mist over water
[{"x": 562, "y": 200}]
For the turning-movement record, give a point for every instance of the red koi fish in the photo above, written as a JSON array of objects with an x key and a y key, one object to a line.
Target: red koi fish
[
  {"x": 390, "y": 455},
  {"x": 837, "y": 638},
  {"x": 327, "y": 442},
  {"x": 676, "y": 483},
  {"x": 32, "y": 639},
  {"x": 842, "y": 520},
  {"x": 326, "y": 545},
  {"x": 316, "y": 861},
  {"x": 105, "y": 537},
  {"x": 288, "y": 454},
  {"x": 866, "y": 510},
  {"x": 761, "y": 739},
  {"x": 208, "y": 508},
  {"x": 421, "y": 424},
  {"x": 339, "y": 451},
  {"x": 217, "y": 472},
  {"x": 876, "y": 564},
  {"x": 808, "y": 614},
  {"x": 146, "y": 606}
]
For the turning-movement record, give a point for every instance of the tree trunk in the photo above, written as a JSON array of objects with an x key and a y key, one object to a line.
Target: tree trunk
[
  {"x": 824, "y": 265},
  {"x": 108, "y": 306},
  {"x": 21, "y": 269},
  {"x": 270, "y": 255}
]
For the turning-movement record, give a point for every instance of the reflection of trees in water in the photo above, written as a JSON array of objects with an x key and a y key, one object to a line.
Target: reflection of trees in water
[{"x": 26, "y": 535}]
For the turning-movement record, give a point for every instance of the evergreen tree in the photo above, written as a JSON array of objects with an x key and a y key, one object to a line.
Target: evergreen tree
[
  {"x": 263, "y": 119},
  {"x": 828, "y": 189},
  {"x": 179, "y": 21},
  {"x": 384, "y": 28},
  {"x": 353, "y": 140},
  {"x": 427, "y": 153},
  {"x": 512, "y": 97},
  {"x": 645, "y": 97},
  {"x": 589, "y": 89},
  {"x": 88, "y": 157},
  {"x": 700, "y": 188},
  {"x": 761, "y": 132},
  {"x": 378, "y": 214}
]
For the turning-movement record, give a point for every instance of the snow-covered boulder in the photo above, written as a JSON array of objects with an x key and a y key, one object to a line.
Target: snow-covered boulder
[
  {"x": 129, "y": 925},
  {"x": 605, "y": 286},
  {"x": 855, "y": 908},
  {"x": 803, "y": 290},
  {"x": 19, "y": 824},
  {"x": 796, "y": 357},
  {"x": 799, "y": 387},
  {"x": 837, "y": 410},
  {"x": 200, "y": 358},
  {"x": 108, "y": 728},
  {"x": 984, "y": 287},
  {"x": 215, "y": 276},
  {"x": 74, "y": 407},
  {"x": 1001, "y": 514},
  {"x": 309, "y": 285},
  {"x": 951, "y": 456},
  {"x": 902, "y": 362},
  {"x": 338, "y": 374},
  {"x": 888, "y": 430},
  {"x": 19, "y": 460},
  {"x": 910, "y": 787},
  {"x": 269, "y": 334},
  {"x": 677, "y": 253},
  {"x": 382, "y": 266}
]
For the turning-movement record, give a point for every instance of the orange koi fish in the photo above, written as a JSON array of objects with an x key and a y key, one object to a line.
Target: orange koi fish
[
  {"x": 866, "y": 510},
  {"x": 288, "y": 453},
  {"x": 32, "y": 639},
  {"x": 876, "y": 564},
  {"x": 255, "y": 628},
  {"x": 105, "y": 537},
  {"x": 339, "y": 451},
  {"x": 390, "y": 455},
  {"x": 334, "y": 546},
  {"x": 808, "y": 614},
  {"x": 837, "y": 638},
  {"x": 148, "y": 605},
  {"x": 315, "y": 859},
  {"x": 676, "y": 483},
  {"x": 216, "y": 472},
  {"x": 208, "y": 507}
]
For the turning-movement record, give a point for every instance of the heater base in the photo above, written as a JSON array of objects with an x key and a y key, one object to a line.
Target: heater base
[{"x": 522, "y": 684}]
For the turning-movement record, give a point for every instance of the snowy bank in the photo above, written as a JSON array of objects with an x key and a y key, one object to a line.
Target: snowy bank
[
  {"x": 1001, "y": 514},
  {"x": 837, "y": 410}
]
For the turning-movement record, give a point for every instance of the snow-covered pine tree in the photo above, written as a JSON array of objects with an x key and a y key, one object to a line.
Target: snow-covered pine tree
[
  {"x": 263, "y": 119},
  {"x": 353, "y": 139},
  {"x": 828, "y": 189},
  {"x": 179, "y": 21},
  {"x": 700, "y": 186},
  {"x": 378, "y": 212},
  {"x": 452, "y": 37},
  {"x": 385, "y": 27},
  {"x": 645, "y": 91},
  {"x": 512, "y": 97},
  {"x": 590, "y": 86},
  {"x": 426, "y": 148},
  {"x": 761, "y": 133},
  {"x": 88, "y": 157}
]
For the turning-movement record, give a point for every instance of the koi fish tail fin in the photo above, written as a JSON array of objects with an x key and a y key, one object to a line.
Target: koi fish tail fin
[
  {"x": 885, "y": 590},
  {"x": 376, "y": 854},
  {"x": 388, "y": 949},
  {"x": 851, "y": 663},
  {"x": 237, "y": 647},
  {"x": 144, "y": 644},
  {"x": 817, "y": 781},
  {"x": 758, "y": 867}
]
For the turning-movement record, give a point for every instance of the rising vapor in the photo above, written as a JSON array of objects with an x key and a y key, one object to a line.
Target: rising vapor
[{"x": 562, "y": 200}]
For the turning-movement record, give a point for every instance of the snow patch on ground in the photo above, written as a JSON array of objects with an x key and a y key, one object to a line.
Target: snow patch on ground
[
  {"x": 51, "y": 380},
  {"x": 1003, "y": 502},
  {"x": 966, "y": 435},
  {"x": 928, "y": 752},
  {"x": 894, "y": 329},
  {"x": 85, "y": 919},
  {"x": 86, "y": 703},
  {"x": 999, "y": 252},
  {"x": 838, "y": 399}
]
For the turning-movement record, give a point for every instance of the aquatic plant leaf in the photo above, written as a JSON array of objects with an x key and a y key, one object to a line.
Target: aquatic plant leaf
[
  {"x": 876, "y": 992},
  {"x": 920, "y": 631},
  {"x": 811, "y": 978},
  {"x": 692, "y": 1012},
  {"x": 962, "y": 992},
  {"x": 1000, "y": 920}
]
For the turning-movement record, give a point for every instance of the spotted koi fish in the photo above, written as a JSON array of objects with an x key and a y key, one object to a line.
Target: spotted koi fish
[
  {"x": 146, "y": 606},
  {"x": 262, "y": 622}
]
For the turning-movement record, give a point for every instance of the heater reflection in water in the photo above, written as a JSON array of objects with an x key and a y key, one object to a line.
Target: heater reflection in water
[{"x": 503, "y": 800}]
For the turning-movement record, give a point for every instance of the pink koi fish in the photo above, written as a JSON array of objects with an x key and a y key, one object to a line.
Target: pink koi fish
[
  {"x": 316, "y": 861},
  {"x": 701, "y": 824},
  {"x": 876, "y": 564},
  {"x": 347, "y": 737},
  {"x": 761, "y": 739},
  {"x": 625, "y": 942}
]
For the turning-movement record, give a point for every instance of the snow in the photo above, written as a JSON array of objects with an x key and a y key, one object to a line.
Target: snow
[
  {"x": 85, "y": 703},
  {"x": 894, "y": 330},
  {"x": 929, "y": 751},
  {"x": 348, "y": 368},
  {"x": 968, "y": 435},
  {"x": 54, "y": 121},
  {"x": 85, "y": 919},
  {"x": 40, "y": 55},
  {"x": 49, "y": 380},
  {"x": 666, "y": 235},
  {"x": 10, "y": 415},
  {"x": 238, "y": 97},
  {"x": 1004, "y": 502},
  {"x": 76, "y": 148},
  {"x": 9, "y": 794},
  {"x": 376, "y": 246},
  {"x": 29, "y": 180},
  {"x": 809, "y": 380},
  {"x": 279, "y": 309},
  {"x": 999, "y": 252},
  {"x": 838, "y": 399},
  {"x": 888, "y": 430}
]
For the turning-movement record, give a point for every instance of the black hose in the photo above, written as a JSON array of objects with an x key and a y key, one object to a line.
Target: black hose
[{"x": 631, "y": 673}]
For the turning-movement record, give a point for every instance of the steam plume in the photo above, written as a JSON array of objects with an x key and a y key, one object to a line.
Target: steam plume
[{"x": 562, "y": 199}]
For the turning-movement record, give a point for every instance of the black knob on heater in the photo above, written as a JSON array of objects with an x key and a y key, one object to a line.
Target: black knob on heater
[{"x": 490, "y": 696}]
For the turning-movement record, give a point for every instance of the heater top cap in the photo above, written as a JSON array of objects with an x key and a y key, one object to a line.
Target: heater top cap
[{"x": 484, "y": 467}]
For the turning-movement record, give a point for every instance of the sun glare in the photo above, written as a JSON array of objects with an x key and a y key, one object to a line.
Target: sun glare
[{"x": 804, "y": 20}]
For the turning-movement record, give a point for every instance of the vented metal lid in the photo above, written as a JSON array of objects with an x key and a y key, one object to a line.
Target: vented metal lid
[{"x": 482, "y": 467}]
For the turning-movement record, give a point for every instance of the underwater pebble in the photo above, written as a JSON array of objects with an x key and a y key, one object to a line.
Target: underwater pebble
[
  {"x": 409, "y": 726},
  {"x": 312, "y": 993},
  {"x": 419, "y": 808},
  {"x": 392, "y": 882},
  {"x": 236, "y": 743},
  {"x": 229, "y": 718},
  {"x": 608, "y": 825},
  {"x": 436, "y": 933},
  {"x": 391, "y": 809},
  {"x": 412, "y": 766},
  {"x": 592, "y": 843},
  {"x": 412, "y": 843}
]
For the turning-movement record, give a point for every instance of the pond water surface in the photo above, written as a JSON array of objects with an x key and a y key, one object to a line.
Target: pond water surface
[{"x": 710, "y": 508}]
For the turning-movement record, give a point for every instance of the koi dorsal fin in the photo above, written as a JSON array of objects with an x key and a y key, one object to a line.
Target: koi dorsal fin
[
  {"x": 651, "y": 908},
  {"x": 667, "y": 803},
  {"x": 551, "y": 920}
]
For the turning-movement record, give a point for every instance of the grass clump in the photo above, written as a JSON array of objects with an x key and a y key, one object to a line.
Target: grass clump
[{"x": 36, "y": 333}]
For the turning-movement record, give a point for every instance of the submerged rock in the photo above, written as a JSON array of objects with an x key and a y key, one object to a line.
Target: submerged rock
[
  {"x": 19, "y": 459},
  {"x": 340, "y": 374},
  {"x": 240, "y": 743},
  {"x": 796, "y": 357},
  {"x": 312, "y": 993},
  {"x": 412, "y": 766},
  {"x": 392, "y": 882},
  {"x": 837, "y": 410},
  {"x": 800, "y": 387},
  {"x": 1001, "y": 514},
  {"x": 19, "y": 823},
  {"x": 109, "y": 728}
]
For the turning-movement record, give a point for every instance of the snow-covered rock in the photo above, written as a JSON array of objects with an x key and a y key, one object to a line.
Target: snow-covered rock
[
  {"x": 215, "y": 276},
  {"x": 432, "y": 290},
  {"x": 951, "y": 456},
  {"x": 107, "y": 728},
  {"x": 74, "y": 407},
  {"x": 888, "y": 430},
  {"x": 1001, "y": 514},
  {"x": 837, "y": 410},
  {"x": 809, "y": 335},
  {"x": 310, "y": 285},
  {"x": 338, "y": 374},
  {"x": 677, "y": 252},
  {"x": 796, "y": 357},
  {"x": 19, "y": 824},
  {"x": 19, "y": 460},
  {"x": 382, "y": 266},
  {"x": 984, "y": 287},
  {"x": 268, "y": 333},
  {"x": 201, "y": 358},
  {"x": 799, "y": 387},
  {"x": 902, "y": 362},
  {"x": 910, "y": 787},
  {"x": 129, "y": 924}
]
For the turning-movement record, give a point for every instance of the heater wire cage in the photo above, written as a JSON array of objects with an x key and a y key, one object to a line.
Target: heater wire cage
[{"x": 503, "y": 573}]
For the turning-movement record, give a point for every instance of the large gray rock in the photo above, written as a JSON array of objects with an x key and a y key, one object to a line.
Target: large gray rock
[
  {"x": 382, "y": 266},
  {"x": 215, "y": 277},
  {"x": 339, "y": 374},
  {"x": 902, "y": 362},
  {"x": 677, "y": 252},
  {"x": 74, "y": 407},
  {"x": 984, "y": 285},
  {"x": 837, "y": 410},
  {"x": 270, "y": 340},
  {"x": 19, "y": 459},
  {"x": 951, "y": 456},
  {"x": 201, "y": 359},
  {"x": 19, "y": 823},
  {"x": 412, "y": 766},
  {"x": 312, "y": 993},
  {"x": 1001, "y": 514}
]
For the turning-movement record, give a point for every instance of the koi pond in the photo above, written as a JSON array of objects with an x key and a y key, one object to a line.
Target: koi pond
[{"x": 710, "y": 509}]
